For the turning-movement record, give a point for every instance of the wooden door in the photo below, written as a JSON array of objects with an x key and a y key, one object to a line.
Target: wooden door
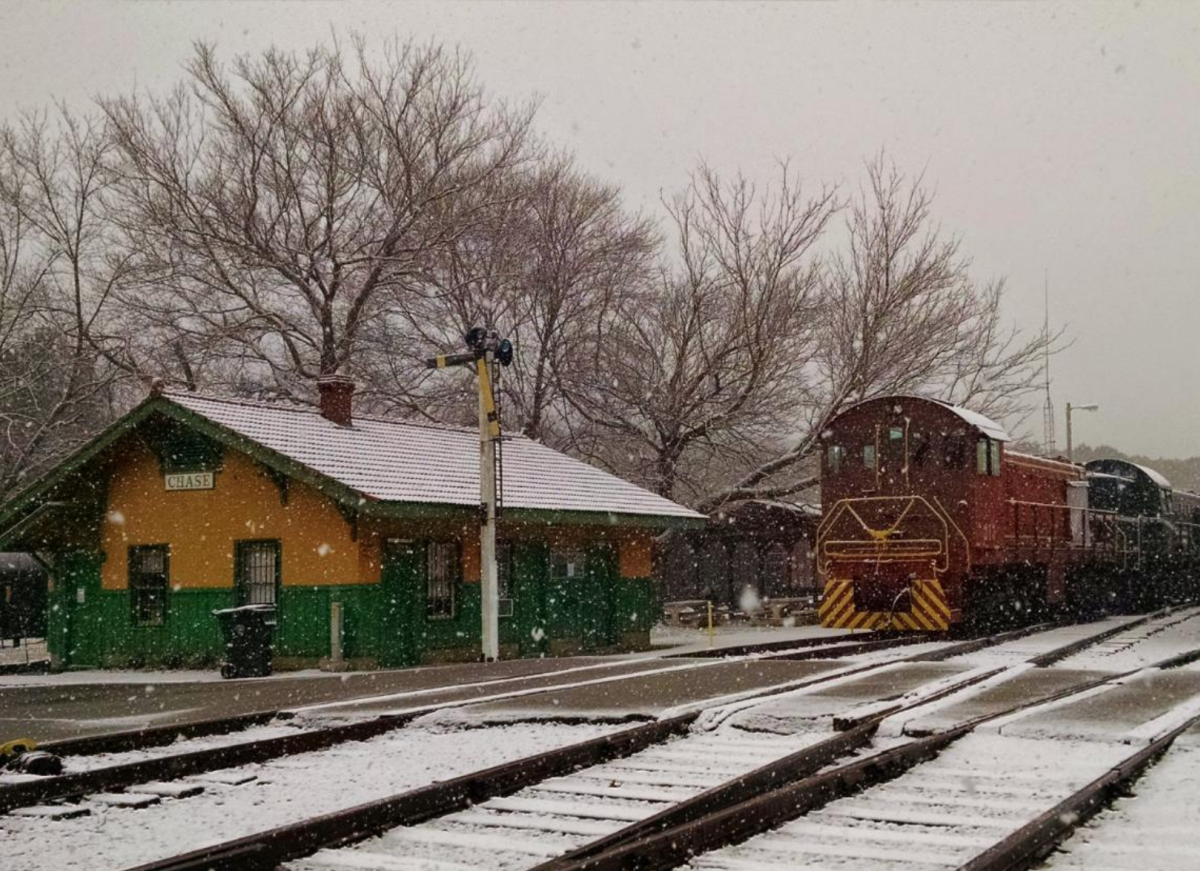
[
  {"x": 597, "y": 594},
  {"x": 530, "y": 576},
  {"x": 403, "y": 608}
]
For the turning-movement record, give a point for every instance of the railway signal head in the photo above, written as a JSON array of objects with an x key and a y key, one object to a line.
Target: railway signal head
[{"x": 504, "y": 352}]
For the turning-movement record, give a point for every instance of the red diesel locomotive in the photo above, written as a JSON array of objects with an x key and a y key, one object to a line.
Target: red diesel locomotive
[{"x": 930, "y": 520}]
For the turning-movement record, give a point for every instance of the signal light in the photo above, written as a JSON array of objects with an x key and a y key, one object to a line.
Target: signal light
[
  {"x": 504, "y": 352},
  {"x": 476, "y": 338}
]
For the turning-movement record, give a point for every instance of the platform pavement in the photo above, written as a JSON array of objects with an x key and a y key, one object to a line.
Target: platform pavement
[
  {"x": 78, "y": 704},
  {"x": 677, "y": 682}
]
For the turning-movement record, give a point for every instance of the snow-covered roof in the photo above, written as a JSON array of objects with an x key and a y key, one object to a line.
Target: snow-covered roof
[
  {"x": 985, "y": 425},
  {"x": 400, "y": 461},
  {"x": 1156, "y": 477}
]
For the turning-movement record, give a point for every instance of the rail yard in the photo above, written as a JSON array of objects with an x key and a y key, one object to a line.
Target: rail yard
[{"x": 865, "y": 751}]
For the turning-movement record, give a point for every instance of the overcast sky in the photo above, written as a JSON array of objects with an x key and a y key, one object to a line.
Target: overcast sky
[{"x": 1061, "y": 139}]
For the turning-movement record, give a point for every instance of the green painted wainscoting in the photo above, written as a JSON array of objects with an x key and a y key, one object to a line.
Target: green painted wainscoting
[
  {"x": 99, "y": 631},
  {"x": 384, "y": 622}
]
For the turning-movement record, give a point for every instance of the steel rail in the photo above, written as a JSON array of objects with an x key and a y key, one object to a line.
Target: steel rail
[
  {"x": 632, "y": 849},
  {"x": 65, "y": 786},
  {"x": 364, "y": 821},
  {"x": 266, "y": 850},
  {"x": 269, "y": 848},
  {"x": 117, "y": 777},
  {"x": 1037, "y": 837},
  {"x": 156, "y": 736}
]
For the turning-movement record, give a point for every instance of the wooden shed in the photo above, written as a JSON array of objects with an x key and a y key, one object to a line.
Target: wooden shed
[
  {"x": 194, "y": 503},
  {"x": 752, "y": 552}
]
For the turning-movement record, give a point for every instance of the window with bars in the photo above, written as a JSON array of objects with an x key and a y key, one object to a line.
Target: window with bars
[
  {"x": 257, "y": 572},
  {"x": 148, "y": 580},
  {"x": 442, "y": 576}
]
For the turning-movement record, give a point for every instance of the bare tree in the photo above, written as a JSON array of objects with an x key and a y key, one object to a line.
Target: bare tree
[
  {"x": 899, "y": 313},
  {"x": 549, "y": 270},
  {"x": 709, "y": 363},
  {"x": 279, "y": 205},
  {"x": 58, "y": 268}
]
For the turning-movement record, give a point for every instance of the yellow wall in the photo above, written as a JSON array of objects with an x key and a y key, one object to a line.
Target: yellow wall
[
  {"x": 201, "y": 526},
  {"x": 636, "y": 549}
]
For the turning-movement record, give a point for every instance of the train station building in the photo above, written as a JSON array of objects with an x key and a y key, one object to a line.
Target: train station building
[{"x": 193, "y": 503}]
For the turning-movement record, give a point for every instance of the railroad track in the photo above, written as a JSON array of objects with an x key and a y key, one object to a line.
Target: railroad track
[
  {"x": 154, "y": 777},
  {"x": 612, "y": 793}
]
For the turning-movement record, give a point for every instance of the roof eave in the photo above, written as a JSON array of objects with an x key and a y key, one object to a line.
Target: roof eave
[{"x": 556, "y": 517}]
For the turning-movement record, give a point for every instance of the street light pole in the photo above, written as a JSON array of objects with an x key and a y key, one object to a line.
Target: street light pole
[{"x": 1089, "y": 407}]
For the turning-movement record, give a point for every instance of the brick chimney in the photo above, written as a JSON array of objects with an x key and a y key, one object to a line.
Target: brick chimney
[{"x": 336, "y": 398}]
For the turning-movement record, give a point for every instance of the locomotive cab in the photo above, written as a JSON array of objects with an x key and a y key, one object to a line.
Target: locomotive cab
[{"x": 907, "y": 483}]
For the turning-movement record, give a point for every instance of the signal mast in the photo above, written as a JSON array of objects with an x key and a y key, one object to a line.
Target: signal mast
[{"x": 486, "y": 351}]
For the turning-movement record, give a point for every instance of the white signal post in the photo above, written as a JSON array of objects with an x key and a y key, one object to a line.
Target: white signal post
[
  {"x": 489, "y": 432},
  {"x": 486, "y": 348}
]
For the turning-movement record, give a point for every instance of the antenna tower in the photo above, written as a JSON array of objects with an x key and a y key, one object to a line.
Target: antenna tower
[{"x": 1048, "y": 444}]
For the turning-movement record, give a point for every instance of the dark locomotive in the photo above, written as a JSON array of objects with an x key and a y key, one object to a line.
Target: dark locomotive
[{"x": 930, "y": 520}]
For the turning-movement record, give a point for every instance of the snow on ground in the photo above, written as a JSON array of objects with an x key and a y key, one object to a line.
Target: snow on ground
[
  {"x": 147, "y": 676},
  {"x": 1154, "y": 829},
  {"x": 93, "y": 761},
  {"x": 687, "y": 640},
  {"x": 940, "y": 814},
  {"x": 562, "y": 813},
  {"x": 286, "y": 790},
  {"x": 1022, "y": 649},
  {"x": 31, "y": 650},
  {"x": 1142, "y": 645}
]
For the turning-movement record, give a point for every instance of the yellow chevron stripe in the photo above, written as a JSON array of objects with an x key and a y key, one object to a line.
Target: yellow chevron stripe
[
  {"x": 837, "y": 607},
  {"x": 933, "y": 598},
  {"x": 923, "y": 619},
  {"x": 931, "y": 617},
  {"x": 838, "y": 595},
  {"x": 843, "y": 612},
  {"x": 861, "y": 620}
]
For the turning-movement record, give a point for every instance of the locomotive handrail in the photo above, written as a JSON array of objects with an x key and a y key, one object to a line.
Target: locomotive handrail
[
  {"x": 1114, "y": 520},
  {"x": 879, "y": 546}
]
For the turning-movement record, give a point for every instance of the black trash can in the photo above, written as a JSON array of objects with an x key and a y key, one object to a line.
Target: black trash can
[{"x": 249, "y": 635}]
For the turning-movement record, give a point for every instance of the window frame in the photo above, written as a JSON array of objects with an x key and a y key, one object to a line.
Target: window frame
[
  {"x": 870, "y": 457},
  {"x": 504, "y": 578},
  {"x": 987, "y": 457},
  {"x": 442, "y": 604},
  {"x": 241, "y": 550},
  {"x": 138, "y": 589},
  {"x": 834, "y": 457}
]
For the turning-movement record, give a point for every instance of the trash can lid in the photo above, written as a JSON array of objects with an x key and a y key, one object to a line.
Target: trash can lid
[{"x": 246, "y": 609}]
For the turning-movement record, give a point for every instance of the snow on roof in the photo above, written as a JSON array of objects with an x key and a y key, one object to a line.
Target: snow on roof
[
  {"x": 401, "y": 461},
  {"x": 1156, "y": 477},
  {"x": 986, "y": 425}
]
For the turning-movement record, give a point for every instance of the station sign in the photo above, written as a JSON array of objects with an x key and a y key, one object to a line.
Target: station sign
[{"x": 190, "y": 481}]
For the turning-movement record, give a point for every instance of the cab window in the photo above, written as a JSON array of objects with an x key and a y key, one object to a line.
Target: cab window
[
  {"x": 868, "y": 456},
  {"x": 987, "y": 457},
  {"x": 833, "y": 458}
]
